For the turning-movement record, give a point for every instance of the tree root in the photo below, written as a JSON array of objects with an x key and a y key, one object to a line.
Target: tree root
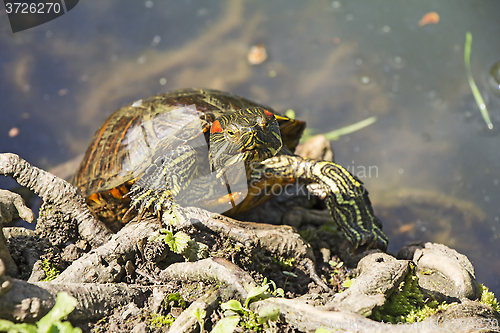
[
  {"x": 281, "y": 240},
  {"x": 106, "y": 263},
  {"x": 28, "y": 302},
  {"x": 307, "y": 318},
  {"x": 379, "y": 275},
  {"x": 443, "y": 273},
  {"x": 55, "y": 190},
  {"x": 11, "y": 206},
  {"x": 213, "y": 270},
  {"x": 186, "y": 322}
]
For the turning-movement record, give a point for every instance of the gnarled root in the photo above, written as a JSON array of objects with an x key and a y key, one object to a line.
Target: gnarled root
[
  {"x": 28, "y": 302},
  {"x": 58, "y": 191}
]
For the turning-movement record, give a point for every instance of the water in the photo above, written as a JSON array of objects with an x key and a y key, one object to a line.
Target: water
[{"x": 435, "y": 165}]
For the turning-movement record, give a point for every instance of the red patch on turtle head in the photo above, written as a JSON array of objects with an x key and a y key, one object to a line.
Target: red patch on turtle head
[
  {"x": 216, "y": 127},
  {"x": 268, "y": 114}
]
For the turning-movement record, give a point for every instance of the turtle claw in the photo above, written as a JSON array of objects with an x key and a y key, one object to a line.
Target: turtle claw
[
  {"x": 145, "y": 199},
  {"x": 318, "y": 190}
]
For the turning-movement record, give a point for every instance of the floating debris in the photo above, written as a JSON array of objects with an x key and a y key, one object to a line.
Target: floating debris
[
  {"x": 257, "y": 54},
  {"x": 472, "y": 84},
  {"x": 429, "y": 18},
  {"x": 13, "y": 132},
  {"x": 156, "y": 40},
  {"x": 405, "y": 228},
  {"x": 62, "y": 92}
]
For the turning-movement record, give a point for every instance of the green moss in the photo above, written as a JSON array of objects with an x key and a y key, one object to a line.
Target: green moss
[
  {"x": 158, "y": 321},
  {"x": 250, "y": 323},
  {"x": 407, "y": 304},
  {"x": 488, "y": 298},
  {"x": 175, "y": 300},
  {"x": 50, "y": 271},
  {"x": 285, "y": 264}
]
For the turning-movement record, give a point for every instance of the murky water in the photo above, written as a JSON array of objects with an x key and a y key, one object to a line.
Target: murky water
[{"x": 430, "y": 163}]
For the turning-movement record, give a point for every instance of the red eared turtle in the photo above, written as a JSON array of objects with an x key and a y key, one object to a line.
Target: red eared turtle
[{"x": 214, "y": 150}]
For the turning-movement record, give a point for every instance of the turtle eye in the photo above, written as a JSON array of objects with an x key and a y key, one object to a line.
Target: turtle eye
[
  {"x": 262, "y": 122},
  {"x": 231, "y": 134}
]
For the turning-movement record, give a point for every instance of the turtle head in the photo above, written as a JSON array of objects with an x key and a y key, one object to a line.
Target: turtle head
[{"x": 248, "y": 135}]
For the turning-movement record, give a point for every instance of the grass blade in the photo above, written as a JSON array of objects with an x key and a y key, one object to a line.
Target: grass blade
[
  {"x": 472, "y": 84},
  {"x": 335, "y": 134}
]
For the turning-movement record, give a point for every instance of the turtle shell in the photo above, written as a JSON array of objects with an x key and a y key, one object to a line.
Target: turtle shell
[{"x": 128, "y": 141}]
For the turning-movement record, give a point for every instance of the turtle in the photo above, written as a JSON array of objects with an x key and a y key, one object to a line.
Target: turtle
[{"x": 215, "y": 150}]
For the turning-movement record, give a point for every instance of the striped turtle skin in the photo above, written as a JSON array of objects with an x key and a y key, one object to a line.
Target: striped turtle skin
[{"x": 215, "y": 150}]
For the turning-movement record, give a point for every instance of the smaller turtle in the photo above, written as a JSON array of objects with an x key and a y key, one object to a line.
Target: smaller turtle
[{"x": 214, "y": 150}]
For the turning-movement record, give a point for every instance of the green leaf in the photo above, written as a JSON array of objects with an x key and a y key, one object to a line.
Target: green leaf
[
  {"x": 199, "y": 314},
  {"x": 65, "y": 327},
  {"x": 290, "y": 274},
  {"x": 5, "y": 325},
  {"x": 195, "y": 251},
  {"x": 177, "y": 242},
  {"x": 257, "y": 293},
  {"x": 64, "y": 305},
  {"x": 348, "y": 282},
  {"x": 232, "y": 305},
  {"x": 280, "y": 292},
  {"x": 8, "y": 326},
  {"x": 335, "y": 264},
  {"x": 273, "y": 284},
  {"x": 226, "y": 325}
]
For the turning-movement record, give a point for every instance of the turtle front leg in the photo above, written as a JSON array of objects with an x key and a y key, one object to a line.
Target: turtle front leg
[
  {"x": 345, "y": 196},
  {"x": 163, "y": 180}
]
